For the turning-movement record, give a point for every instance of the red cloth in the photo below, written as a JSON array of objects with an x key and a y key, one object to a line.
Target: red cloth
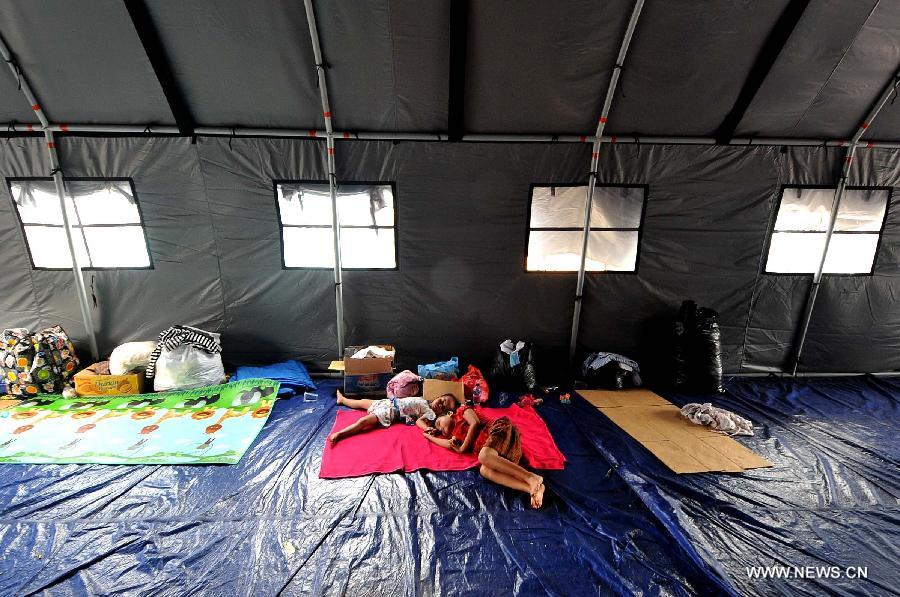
[{"x": 404, "y": 448}]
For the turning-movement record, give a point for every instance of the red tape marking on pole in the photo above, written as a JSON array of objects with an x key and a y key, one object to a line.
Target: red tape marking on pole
[
  {"x": 595, "y": 154},
  {"x": 864, "y": 125},
  {"x": 312, "y": 133},
  {"x": 51, "y": 145},
  {"x": 603, "y": 119},
  {"x": 346, "y": 135},
  {"x": 331, "y": 151},
  {"x": 326, "y": 114},
  {"x": 36, "y": 107},
  {"x": 582, "y": 138},
  {"x": 64, "y": 128},
  {"x": 613, "y": 140}
]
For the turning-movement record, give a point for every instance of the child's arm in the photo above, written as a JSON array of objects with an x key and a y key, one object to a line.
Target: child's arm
[
  {"x": 440, "y": 441},
  {"x": 474, "y": 427},
  {"x": 424, "y": 423}
]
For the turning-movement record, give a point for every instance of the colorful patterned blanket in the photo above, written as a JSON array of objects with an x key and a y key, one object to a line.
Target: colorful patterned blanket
[{"x": 212, "y": 425}]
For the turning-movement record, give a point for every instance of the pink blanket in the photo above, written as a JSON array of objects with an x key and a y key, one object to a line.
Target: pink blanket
[{"x": 403, "y": 447}]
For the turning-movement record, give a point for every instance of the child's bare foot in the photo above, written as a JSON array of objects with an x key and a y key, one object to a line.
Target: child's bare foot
[
  {"x": 340, "y": 398},
  {"x": 536, "y": 481},
  {"x": 537, "y": 497},
  {"x": 334, "y": 438}
]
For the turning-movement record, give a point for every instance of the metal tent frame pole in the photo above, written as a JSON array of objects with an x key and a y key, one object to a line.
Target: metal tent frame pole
[
  {"x": 224, "y": 131},
  {"x": 592, "y": 178},
  {"x": 56, "y": 172},
  {"x": 849, "y": 155},
  {"x": 332, "y": 178}
]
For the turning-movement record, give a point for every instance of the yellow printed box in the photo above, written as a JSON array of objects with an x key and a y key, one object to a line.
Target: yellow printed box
[{"x": 88, "y": 383}]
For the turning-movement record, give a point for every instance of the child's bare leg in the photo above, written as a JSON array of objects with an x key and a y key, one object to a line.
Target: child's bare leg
[
  {"x": 490, "y": 457},
  {"x": 356, "y": 403},
  {"x": 363, "y": 424},
  {"x": 503, "y": 479}
]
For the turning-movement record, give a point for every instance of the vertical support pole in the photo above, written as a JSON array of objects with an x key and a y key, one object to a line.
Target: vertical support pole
[
  {"x": 592, "y": 177},
  {"x": 332, "y": 177},
  {"x": 849, "y": 155},
  {"x": 56, "y": 173},
  {"x": 81, "y": 291}
]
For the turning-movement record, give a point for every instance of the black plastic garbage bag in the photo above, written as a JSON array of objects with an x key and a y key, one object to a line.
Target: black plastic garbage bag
[
  {"x": 521, "y": 376},
  {"x": 697, "y": 349},
  {"x": 681, "y": 346},
  {"x": 708, "y": 351}
]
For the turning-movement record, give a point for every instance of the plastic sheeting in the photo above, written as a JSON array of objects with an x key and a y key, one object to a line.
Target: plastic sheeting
[
  {"x": 269, "y": 524},
  {"x": 831, "y": 498}
]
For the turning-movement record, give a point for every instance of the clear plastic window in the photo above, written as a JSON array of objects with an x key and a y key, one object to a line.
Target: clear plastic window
[
  {"x": 104, "y": 216},
  {"x": 367, "y": 216},
  {"x": 801, "y": 227},
  {"x": 556, "y": 228}
]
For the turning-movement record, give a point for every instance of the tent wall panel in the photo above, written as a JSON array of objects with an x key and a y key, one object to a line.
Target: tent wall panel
[
  {"x": 704, "y": 230},
  {"x": 853, "y": 328},
  {"x": 213, "y": 230},
  {"x": 84, "y": 61},
  {"x": 130, "y": 304}
]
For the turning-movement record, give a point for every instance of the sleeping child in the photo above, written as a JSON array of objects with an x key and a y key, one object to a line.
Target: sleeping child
[
  {"x": 498, "y": 444},
  {"x": 386, "y": 411}
]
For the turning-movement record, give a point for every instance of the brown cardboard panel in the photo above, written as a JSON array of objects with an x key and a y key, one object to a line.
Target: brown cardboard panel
[
  {"x": 681, "y": 445},
  {"x": 434, "y": 388},
  {"x": 630, "y": 397},
  {"x": 707, "y": 455},
  {"x": 675, "y": 457},
  {"x": 635, "y": 422},
  {"x": 368, "y": 365},
  {"x": 336, "y": 366},
  {"x": 8, "y": 403},
  {"x": 736, "y": 452}
]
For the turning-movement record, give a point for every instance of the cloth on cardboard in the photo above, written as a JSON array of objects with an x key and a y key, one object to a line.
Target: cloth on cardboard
[{"x": 717, "y": 419}]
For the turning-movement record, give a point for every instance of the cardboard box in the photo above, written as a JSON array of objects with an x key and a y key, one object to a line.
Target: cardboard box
[
  {"x": 88, "y": 383},
  {"x": 369, "y": 376},
  {"x": 435, "y": 388}
]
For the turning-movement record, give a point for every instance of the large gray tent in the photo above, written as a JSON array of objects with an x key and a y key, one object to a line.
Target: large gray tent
[
  {"x": 442, "y": 175},
  {"x": 528, "y": 69}
]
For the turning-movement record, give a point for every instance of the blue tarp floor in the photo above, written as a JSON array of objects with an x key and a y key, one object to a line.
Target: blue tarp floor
[{"x": 615, "y": 521}]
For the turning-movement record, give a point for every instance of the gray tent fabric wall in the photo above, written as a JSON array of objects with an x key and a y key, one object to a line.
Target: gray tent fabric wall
[{"x": 213, "y": 231}]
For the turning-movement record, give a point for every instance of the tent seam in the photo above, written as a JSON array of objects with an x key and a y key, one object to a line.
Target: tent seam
[{"x": 212, "y": 226}]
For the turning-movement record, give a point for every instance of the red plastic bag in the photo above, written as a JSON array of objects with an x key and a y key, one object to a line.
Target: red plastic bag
[{"x": 475, "y": 385}]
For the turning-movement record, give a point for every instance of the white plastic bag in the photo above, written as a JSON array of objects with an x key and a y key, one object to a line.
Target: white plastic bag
[
  {"x": 186, "y": 367},
  {"x": 130, "y": 357}
]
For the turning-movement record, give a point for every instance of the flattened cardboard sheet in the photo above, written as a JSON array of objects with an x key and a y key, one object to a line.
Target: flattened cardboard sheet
[
  {"x": 681, "y": 445},
  {"x": 434, "y": 388}
]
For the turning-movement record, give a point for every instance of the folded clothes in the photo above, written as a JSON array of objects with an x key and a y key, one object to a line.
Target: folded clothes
[
  {"x": 718, "y": 419},
  {"x": 292, "y": 375},
  {"x": 372, "y": 352}
]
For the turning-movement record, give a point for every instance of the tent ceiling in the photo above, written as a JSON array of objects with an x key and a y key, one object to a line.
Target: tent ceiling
[
  {"x": 687, "y": 64},
  {"x": 532, "y": 66},
  {"x": 838, "y": 60},
  {"x": 540, "y": 67},
  {"x": 84, "y": 61}
]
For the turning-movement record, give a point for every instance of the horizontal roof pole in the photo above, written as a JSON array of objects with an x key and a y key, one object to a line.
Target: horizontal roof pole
[{"x": 222, "y": 131}]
